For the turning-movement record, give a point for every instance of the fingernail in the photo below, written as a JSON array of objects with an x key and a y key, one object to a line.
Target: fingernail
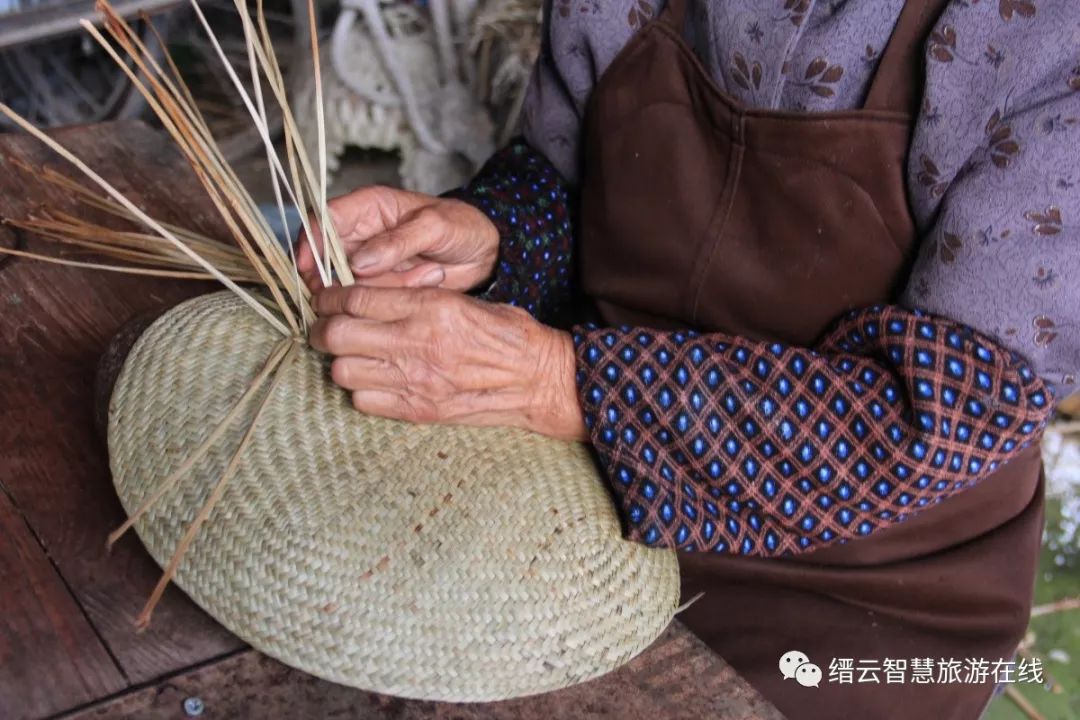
[
  {"x": 362, "y": 261},
  {"x": 432, "y": 277}
]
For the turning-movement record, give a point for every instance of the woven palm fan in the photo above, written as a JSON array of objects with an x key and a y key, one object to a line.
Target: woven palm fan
[{"x": 445, "y": 563}]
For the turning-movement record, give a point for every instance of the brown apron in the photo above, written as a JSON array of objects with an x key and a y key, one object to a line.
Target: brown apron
[{"x": 698, "y": 212}]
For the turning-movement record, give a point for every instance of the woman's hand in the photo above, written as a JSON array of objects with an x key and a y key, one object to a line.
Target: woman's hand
[
  {"x": 437, "y": 356},
  {"x": 396, "y": 238}
]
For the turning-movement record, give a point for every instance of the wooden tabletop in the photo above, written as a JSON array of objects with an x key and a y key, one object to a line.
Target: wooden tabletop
[{"x": 67, "y": 643}]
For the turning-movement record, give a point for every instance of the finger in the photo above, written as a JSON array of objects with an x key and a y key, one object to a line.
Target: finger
[
  {"x": 367, "y": 211},
  {"x": 394, "y": 405},
  {"x": 305, "y": 261},
  {"x": 316, "y": 285},
  {"x": 385, "y": 304},
  {"x": 362, "y": 373},
  {"x": 343, "y": 335},
  {"x": 386, "y": 250},
  {"x": 424, "y": 275},
  {"x": 357, "y": 217},
  {"x": 310, "y": 277},
  {"x": 308, "y": 249},
  {"x": 346, "y": 214}
]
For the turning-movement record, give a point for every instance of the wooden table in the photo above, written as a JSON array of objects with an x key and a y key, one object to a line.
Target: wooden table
[{"x": 67, "y": 644}]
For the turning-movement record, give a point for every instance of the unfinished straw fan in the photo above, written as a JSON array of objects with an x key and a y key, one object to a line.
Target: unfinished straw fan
[{"x": 427, "y": 562}]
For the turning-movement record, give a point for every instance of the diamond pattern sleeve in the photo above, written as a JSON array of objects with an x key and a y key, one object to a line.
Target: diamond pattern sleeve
[
  {"x": 717, "y": 443},
  {"x": 527, "y": 200}
]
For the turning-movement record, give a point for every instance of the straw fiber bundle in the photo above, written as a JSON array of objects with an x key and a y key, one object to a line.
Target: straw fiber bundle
[{"x": 431, "y": 562}]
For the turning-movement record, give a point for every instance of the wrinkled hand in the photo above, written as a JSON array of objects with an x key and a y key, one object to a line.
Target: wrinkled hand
[
  {"x": 396, "y": 238},
  {"x": 437, "y": 356}
]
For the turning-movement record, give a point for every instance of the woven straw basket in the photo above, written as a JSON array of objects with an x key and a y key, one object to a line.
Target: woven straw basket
[{"x": 440, "y": 563}]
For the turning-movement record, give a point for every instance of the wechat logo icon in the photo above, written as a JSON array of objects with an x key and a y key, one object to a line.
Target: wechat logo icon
[{"x": 795, "y": 665}]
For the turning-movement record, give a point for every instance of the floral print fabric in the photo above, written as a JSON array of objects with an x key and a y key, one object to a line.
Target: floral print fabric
[
  {"x": 995, "y": 155},
  {"x": 993, "y": 170}
]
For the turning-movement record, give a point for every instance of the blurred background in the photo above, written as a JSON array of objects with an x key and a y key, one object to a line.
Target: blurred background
[
  {"x": 433, "y": 85},
  {"x": 419, "y": 93}
]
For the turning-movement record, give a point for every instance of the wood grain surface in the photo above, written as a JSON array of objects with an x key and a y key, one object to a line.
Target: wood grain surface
[
  {"x": 677, "y": 678},
  {"x": 50, "y": 657},
  {"x": 56, "y": 321}
]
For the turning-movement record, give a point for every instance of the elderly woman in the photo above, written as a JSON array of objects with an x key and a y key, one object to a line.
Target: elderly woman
[{"x": 819, "y": 259}]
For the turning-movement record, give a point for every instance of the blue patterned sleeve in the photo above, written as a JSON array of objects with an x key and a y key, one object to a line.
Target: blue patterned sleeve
[
  {"x": 718, "y": 443},
  {"x": 527, "y": 200}
]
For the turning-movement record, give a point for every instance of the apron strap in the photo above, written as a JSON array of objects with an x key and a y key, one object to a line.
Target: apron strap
[
  {"x": 674, "y": 13},
  {"x": 898, "y": 83}
]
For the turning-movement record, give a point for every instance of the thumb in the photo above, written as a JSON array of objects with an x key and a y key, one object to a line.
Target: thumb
[{"x": 386, "y": 251}]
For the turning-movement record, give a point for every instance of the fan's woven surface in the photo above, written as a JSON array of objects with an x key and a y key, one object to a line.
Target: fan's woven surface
[{"x": 431, "y": 562}]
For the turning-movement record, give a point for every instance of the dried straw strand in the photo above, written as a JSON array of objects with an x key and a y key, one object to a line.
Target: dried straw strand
[
  {"x": 149, "y": 221},
  {"x": 150, "y": 272},
  {"x": 300, "y": 164},
  {"x": 186, "y": 128},
  {"x": 272, "y": 362},
  {"x": 143, "y": 620},
  {"x": 256, "y": 82}
]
